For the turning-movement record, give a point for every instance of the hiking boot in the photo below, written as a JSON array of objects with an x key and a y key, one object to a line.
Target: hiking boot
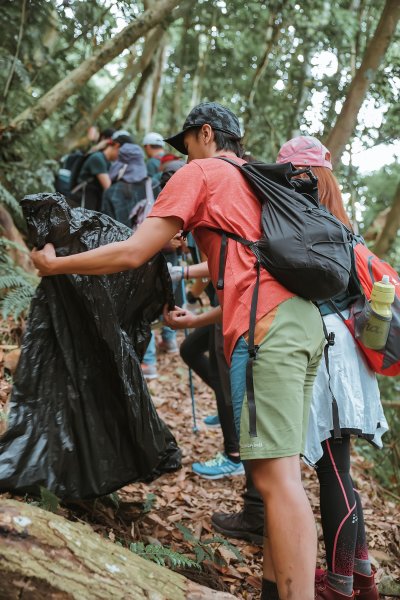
[
  {"x": 149, "y": 371},
  {"x": 323, "y": 591},
  {"x": 212, "y": 421},
  {"x": 169, "y": 346},
  {"x": 218, "y": 467},
  {"x": 364, "y": 586},
  {"x": 243, "y": 525}
]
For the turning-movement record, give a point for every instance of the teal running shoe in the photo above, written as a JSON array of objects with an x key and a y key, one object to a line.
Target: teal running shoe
[
  {"x": 212, "y": 421},
  {"x": 218, "y": 467}
]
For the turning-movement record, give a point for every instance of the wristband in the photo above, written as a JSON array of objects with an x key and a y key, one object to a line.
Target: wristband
[{"x": 187, "y": 272}]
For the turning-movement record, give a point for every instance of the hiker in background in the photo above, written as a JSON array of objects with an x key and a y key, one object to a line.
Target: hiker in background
[
  {"x": 355, "y": 388},
  {"x": 153, "y": 145},
  {"x": 203, "y": 351},
  {"x": 72, "y": 161},
  {"x": 91, "y": 177},
  {"x": 128, "y": 183},
  {"x": 212, "y": 193}
]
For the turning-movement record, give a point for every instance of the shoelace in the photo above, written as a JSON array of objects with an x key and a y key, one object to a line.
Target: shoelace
[{"x": 219, "y": 460}]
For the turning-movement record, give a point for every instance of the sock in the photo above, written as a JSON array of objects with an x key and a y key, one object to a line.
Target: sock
[
  {"x": 235, "y": 459},
  {"x": 341, "y": 583},
  {"x": 363, "y": 567},
  {"x": 269, "y": 590}
]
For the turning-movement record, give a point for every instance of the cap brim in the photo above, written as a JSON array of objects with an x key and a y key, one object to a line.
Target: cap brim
[{"x": 176, "y": 141}]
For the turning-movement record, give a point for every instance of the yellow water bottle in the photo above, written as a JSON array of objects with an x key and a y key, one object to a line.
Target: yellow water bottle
[{"x": 376, "y": 328}]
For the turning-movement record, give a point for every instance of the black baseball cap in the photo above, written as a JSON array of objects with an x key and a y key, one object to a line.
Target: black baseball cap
[{"x": 211, "y": 113}]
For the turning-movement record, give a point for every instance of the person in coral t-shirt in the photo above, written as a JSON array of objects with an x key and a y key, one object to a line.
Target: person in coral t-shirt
[{"x": 210, "y": 193}]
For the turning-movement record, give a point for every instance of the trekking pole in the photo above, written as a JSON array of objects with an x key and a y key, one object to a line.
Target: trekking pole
[{"x": 195, "y": 429}]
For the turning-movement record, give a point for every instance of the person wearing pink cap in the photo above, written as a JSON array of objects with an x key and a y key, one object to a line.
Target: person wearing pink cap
[{"x": 356, "y": 390}]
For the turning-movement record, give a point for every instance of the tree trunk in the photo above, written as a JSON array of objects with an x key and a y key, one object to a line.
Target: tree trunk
[
  {"x": 10, "y": 232},
  {"x": 144, "y": 116},
  {"x": 42, "y": 555},
  {"x": 131, "y": 110},
  {"x": 392, "y": 225},
  {"x": 32, "y": 117},
  {"x": 157, "y": 78},
  {"x": 131, "y": 71},
  {"x": 347, "y": 119}
]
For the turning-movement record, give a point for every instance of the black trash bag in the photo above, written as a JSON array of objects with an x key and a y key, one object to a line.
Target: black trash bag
[{"x": 81, "y": 421}]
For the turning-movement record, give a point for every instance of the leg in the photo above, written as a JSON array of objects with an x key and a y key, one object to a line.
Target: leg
[
  {"x": 364, "y": 577},
  {"x": 283, "y": 374},
  {"x": 193, "y": 352},
  {"x": 222, "y": 390},
  {"x": 338, "y": 513},
  {"x": 149, "y": 362},
  {"x": 290, "y": 525}
]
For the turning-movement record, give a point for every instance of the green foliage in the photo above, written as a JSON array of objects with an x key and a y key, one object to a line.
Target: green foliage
[
  {"x": 48, "y": 500},
  {"x": 17, "y": 287},
  {"x": 149, "y": 502},
  {"x": 386, "y": 462},
  {"x": 163, "y": 555},
  {"x": 207, "y": 549}
]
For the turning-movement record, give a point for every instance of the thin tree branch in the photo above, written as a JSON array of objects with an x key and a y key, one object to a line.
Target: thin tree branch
[{"x": 12, "y": 70}]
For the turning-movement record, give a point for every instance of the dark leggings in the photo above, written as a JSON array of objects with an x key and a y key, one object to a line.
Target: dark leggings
[
  {"x": 211, "y": 370},
  {"x": 341, "y": 510}
]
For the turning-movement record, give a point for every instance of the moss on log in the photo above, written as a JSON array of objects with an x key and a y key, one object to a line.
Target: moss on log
[{"x": 43, "y": 555}]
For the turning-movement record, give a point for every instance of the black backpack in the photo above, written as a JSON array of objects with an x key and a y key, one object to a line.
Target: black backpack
[{"x": 303, "y": 245}]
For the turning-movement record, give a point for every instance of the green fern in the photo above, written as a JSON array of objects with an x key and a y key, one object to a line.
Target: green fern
[
  {"x": 13, "y": 207},
  {"x": 17, "y": 287},
  {"x": 163, "y": 555}
]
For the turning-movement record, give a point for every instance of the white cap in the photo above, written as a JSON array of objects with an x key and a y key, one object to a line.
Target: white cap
[
  {"x": 120, "y": 133},
  {"x": 153, "y": 139}
]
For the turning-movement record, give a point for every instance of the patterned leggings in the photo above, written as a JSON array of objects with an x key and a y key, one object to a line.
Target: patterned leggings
[{"x": 341, "y": 510}]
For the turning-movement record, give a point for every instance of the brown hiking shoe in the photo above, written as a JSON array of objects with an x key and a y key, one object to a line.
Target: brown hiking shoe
[{"x": 365, "y": 586}]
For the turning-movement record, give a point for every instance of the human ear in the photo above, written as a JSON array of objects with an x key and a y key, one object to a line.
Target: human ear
[{"x": 207, "y": 133}]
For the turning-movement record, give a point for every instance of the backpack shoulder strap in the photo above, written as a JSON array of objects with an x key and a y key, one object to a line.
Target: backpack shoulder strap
[{"x": 223, "y": 251}]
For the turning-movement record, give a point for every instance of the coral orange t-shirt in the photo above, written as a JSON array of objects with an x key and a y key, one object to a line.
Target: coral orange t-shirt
[{"x": 212, "y": 193}]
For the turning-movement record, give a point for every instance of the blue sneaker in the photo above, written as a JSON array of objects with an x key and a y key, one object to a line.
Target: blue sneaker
[
  {"x": 218, "y": 467},
  {"x": 212, "y": 421}
]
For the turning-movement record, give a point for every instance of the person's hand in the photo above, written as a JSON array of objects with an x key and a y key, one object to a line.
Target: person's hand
[
  {"x": 44, "y": 259},
  {"x": 179, "y": 318},
  {"x": 176, "y": 241},
  {"x": 176, "y": 273}
]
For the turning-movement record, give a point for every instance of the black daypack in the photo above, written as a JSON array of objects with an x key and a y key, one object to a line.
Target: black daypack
[{"x": 303, "y": 245}]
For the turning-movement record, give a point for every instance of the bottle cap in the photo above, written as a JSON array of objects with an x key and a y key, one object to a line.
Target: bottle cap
[{"x": 385, "y": 279}]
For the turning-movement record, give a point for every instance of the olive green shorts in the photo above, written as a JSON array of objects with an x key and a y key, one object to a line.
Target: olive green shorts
[{"x": 283, "y": 375}]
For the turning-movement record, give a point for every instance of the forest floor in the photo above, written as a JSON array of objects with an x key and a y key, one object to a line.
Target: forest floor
[{"x": 151, "y": 513}]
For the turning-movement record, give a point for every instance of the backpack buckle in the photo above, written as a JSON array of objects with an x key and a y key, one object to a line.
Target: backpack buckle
[
  {"x": 253, "y": 351},
  {"x": 331, "y": 339}
]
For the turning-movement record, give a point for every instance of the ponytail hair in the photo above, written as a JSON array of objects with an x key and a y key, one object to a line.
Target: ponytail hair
[{"x": 330, "y": 195}]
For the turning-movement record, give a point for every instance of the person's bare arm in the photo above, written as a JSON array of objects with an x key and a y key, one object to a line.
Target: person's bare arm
[
  {"x": 184, "y": 319},
  {"x": 148, "y": 239},
  {"x": 104, "y": 180},
  {"x": 195, "y": 271}
]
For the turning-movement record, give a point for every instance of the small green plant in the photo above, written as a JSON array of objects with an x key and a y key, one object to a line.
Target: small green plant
[
  {"x": 17, "y": 287},
  {"x": 149, "y": 502},
  {"x": 163, "y": 555},
  {"x": 207, "y": 549},
  {"x": 48, "y": 500}
]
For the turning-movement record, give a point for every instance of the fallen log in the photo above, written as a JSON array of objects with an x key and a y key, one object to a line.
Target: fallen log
[{"x": 42, "y": 555}]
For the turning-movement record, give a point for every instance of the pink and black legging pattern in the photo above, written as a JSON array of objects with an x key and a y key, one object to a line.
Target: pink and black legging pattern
[{"x": 341, "y": 510}]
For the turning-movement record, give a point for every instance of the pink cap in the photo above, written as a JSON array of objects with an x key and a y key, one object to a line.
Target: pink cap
[{"x": 305, "y": 150}]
